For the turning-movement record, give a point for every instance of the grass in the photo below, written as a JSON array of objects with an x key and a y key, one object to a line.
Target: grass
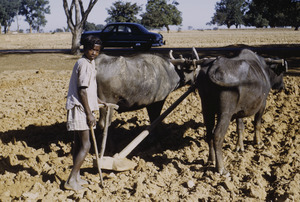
[
  {"x": 206, "y": 38},
  {"x": 37, "y": 61},
  {"x": 183, "y": 39},
  {"x": 221, "y": 38}
]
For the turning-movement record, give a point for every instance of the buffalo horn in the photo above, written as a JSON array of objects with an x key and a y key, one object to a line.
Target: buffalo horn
[
  {"x": 279, "y": 61},
  {"x": 200, "y": 61},
  {"x": 195, "y": 53},
  {"x": 171, "y": 55},
  {"x": 177, "y": 61},
  {"x": 285, "y": 66}
]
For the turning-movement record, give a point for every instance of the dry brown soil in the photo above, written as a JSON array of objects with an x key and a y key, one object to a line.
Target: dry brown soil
[{"x": 35, "y": 157}]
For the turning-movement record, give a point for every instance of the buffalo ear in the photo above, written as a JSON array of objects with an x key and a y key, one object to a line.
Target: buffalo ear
[
  {"x": 280, "y": 68},
  {"x": 277, "y": 65}
]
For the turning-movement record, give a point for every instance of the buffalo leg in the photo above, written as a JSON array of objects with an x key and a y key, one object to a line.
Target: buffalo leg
[
  {"x": 102, "y": 115},
  {"x": 209, "y": 121},
  {"x": 257, "y": 125},
  {"x": 219, "y": 134},
  {"x": 240, "y": 130},
  {"x": 154, "y": 112}
]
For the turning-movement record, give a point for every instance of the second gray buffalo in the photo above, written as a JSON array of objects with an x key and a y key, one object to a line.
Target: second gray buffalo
[{"x": 232, "y": 89}]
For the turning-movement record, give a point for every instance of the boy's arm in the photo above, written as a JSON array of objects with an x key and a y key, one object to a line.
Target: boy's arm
[{"x": 91, "y": 120}]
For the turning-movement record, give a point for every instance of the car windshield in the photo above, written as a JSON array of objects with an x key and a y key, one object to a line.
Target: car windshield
[
  {"x": 143, "y": 29},
  {"x": 111, "y": 28}
]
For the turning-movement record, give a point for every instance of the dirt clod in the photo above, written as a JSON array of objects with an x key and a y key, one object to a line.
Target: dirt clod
[{"x": 35, "y": 157}]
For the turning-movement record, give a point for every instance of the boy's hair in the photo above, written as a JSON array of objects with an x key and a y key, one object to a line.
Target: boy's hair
[{"x": 90, "y": 41}]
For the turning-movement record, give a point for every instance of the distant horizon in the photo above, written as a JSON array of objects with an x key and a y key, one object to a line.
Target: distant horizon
[{"x": 195, "y": 14}]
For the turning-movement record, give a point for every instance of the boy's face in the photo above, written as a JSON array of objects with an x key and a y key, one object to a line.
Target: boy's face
[{"x": 91, "y": 54}]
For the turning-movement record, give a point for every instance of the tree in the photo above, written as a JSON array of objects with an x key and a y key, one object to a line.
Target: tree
[
  {"x": 123, "y": 12},
  {"x": 161, "y": 14},
  {"x": 8, "y": 10},
  {"x": 59, "y": 30},
  {"x": 99, "y": 27},
  {"x": 273, "y": 13},
  {"x": 294, "y": 14},
  {"x": 255, "y": 16},
  {"x": 229, "y": 12},
  {"x": 91, "y": 26},
  {"x": 77, "y": 26},
  {"x": 266, "y": 13},
  {"x": 34, "y": 12}
]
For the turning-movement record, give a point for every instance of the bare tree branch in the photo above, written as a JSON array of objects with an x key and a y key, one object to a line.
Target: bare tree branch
[
  {"x": 81, "y": 8},
  {"x": 80, "y": 17}
]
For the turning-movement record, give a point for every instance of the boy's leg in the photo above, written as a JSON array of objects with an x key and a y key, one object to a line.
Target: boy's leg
[
  {"x": 82, "y": 146},
  {"x": 76, "y": 149}
]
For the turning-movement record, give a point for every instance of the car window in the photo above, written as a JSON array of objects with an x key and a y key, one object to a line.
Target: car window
[
  {"x": 128, "y": 29},
  {"x": 124, "y": 29},
  {"x": 121, "y": 28},
  {"x": 110, "y": 29}
]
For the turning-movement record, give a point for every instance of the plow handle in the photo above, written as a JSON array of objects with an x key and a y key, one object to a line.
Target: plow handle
[{"x": 146, "y": 132}]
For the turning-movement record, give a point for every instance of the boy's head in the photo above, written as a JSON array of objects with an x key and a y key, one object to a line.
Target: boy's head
[
  {"x": 90, "y": 41},
  {"x": 91, "y": 47}
]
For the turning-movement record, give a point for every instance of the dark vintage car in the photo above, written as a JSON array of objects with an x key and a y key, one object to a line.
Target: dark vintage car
[{"x": 125, "y": 34}]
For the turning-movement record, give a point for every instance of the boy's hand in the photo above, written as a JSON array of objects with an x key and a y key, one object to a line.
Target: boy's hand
[{"x": 91, "y": 120}]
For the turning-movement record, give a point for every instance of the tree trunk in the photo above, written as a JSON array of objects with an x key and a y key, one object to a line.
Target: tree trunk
[
  {"x": 77, "y": 26},
  {"x": 168, "y": 29},
  {"x": 18, "y": 26},
  {"x": 76, "y": 35}
]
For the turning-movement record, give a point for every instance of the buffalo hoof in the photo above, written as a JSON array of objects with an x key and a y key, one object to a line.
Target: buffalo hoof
[
  {"x": 259, "y": 145},
  {"x": 239, "y": 148},
  {"x": 258, "y": 141},
  {"x": 210, "y": 163},
  {"x": 224, "y": 172}
]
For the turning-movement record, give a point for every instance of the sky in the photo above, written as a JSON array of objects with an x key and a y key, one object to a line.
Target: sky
[{"x": 195, "y": 13}]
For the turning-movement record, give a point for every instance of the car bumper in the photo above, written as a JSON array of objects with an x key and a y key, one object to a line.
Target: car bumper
[{"x": 159, "y": 43}]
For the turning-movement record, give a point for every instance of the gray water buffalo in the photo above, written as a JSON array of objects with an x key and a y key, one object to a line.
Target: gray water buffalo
[
  {"x": 143, "y": 80},
  {"x": 232, "y": 89}
]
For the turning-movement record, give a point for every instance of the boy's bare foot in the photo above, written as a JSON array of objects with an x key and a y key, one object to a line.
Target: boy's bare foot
[
  {"x": 72, "y": 186},
  {"x": 82, "y": 182}
]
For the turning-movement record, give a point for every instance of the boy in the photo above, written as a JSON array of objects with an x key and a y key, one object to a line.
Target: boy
[{"x": 82, "y": 100}]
